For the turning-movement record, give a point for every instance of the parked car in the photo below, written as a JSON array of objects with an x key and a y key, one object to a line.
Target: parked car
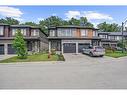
[
  {"x": 94, "y": 51},
  {"x": 120, "y": 49}
]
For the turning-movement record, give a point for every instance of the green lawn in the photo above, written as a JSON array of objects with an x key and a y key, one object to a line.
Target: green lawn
[
  {"x": 116, "y": 54},
  {"x": 34, "y": 57}
]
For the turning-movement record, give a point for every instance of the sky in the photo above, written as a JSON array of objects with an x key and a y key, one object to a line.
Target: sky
[{"x": 94, "y": 14}]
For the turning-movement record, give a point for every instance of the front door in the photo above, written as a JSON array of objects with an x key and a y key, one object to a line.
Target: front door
[
  {"x": 1, "y": 49},
  {"x": 11, "y": 50}
]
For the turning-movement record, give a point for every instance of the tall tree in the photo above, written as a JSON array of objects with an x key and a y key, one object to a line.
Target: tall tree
[
  {"x": 84, "y": 22},
  {"x": 9, "y": 20},
  {"x": 80, "y": 22},
  {"x": 74, "y": 21},
  {"x": 19, "y": 45},
  {"x": 50, "y": 21},
  {"x": 105, "y": 27}
]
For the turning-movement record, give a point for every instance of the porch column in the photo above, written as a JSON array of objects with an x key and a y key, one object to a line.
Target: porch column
[
  {"x": 61, "y": 47},
  {"x": 38, "y": 50},
  {"x": 49, "y": 46},
  {"x": 5, "y": 49},
  {"x": 109, "y": 44},
  {"x": 36, "y": 47},
  {"x": 76, "y": 47},
  {"x": 100, "y": 44},
  {"x": 33, "y": 48}
]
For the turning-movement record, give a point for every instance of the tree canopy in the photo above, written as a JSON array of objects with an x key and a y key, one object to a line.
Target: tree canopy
[
  {"x": 57, "y": 21},
  {"x": 105, "y": 27},
  {"x": 30, "y": 23},
  {"x": 9, "y": 20}
]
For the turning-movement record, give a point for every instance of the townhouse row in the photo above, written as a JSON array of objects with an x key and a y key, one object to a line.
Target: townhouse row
[
  {"x": 36, "y": 40},
  {"x": 72, "y": 39},
  {"x": 64, "y": 39}
]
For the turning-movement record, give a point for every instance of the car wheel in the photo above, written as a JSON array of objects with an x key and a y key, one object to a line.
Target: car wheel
[{"x": 91, "y": 54}]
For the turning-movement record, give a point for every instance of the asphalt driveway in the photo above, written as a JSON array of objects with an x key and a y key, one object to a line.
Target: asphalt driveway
[{"x": 77, "y": 72}]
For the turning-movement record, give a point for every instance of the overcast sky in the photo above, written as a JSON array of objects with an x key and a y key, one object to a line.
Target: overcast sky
[{"x": 94, "y": 14}]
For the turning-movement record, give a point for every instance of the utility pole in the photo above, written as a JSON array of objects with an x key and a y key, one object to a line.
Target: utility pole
[{"x": 122, "y": 37}]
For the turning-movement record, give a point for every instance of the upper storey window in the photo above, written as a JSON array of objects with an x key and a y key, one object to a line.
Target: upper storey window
[
  {"x": 52, "y": 33},
  {"x": 23, "y": 31},
  {"x": 94, "y": 33},
  {"x": 35, "y": 32},
  {"x": 1, "y": 30},
  {"x": 14, "y": 31},
  {"x": 119, "y": 38},
  {"x": 66, "y": 32},
  {"x": 84, "y": 32},
  {"x": 103, "y": 36}
]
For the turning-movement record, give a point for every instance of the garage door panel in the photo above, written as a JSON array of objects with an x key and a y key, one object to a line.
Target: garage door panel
[
  {"x": 69, "y": 48},
  {"x": 82, "y": 45}
]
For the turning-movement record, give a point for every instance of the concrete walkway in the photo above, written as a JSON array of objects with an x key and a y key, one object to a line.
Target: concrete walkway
[{"x": 2, "y": 57}]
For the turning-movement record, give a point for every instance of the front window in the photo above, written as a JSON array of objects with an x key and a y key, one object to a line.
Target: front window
[
  {"x": 112, "y": 37},
  {"x": 119, "y": 38},
  {"x": 84, "y": 32},
  {"x": 14, "y": 31},
  {"x": 35, "y": 32},
  {"x": 66, "y": 32},
  {"x": 52, "y": 33},
  {"x": 103, "y": 36},
  {"x": 23, "y": 31},
  {"x": 1, "y": 30},
  {"x": 94, "y": 33}
]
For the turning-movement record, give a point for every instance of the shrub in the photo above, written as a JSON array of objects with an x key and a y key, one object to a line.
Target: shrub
[
  {"x": 44, "y": 51},
  {"x": 110, "y": 49},
  {"x": 61, "y": 57},
  {"x": 53, "y": 51}
]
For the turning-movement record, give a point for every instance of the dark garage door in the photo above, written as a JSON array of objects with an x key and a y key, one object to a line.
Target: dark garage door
[
  {"x": 11, "y": 50},
  {"x": 69, "y": 48},
  {"x": 82, "y": 45},
  {"x": 1, "y": 49}
]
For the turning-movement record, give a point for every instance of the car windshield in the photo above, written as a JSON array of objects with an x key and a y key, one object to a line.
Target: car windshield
[
  {"x": 98, "y": 47},
  {"x": 90, "y": 47}
]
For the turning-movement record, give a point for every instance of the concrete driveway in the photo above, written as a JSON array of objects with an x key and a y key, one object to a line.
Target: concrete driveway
[
  {"x": 85, "y": 59},
  {"x": 77, "y": 72}
]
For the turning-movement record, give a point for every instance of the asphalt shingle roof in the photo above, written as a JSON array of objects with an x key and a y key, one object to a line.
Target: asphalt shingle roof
[
  {"x": 73, "y": 26},
  {"x": 113, "y": 33}
]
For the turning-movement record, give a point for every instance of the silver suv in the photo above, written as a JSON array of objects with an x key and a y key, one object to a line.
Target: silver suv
[{"x": 94, "y": 51}]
